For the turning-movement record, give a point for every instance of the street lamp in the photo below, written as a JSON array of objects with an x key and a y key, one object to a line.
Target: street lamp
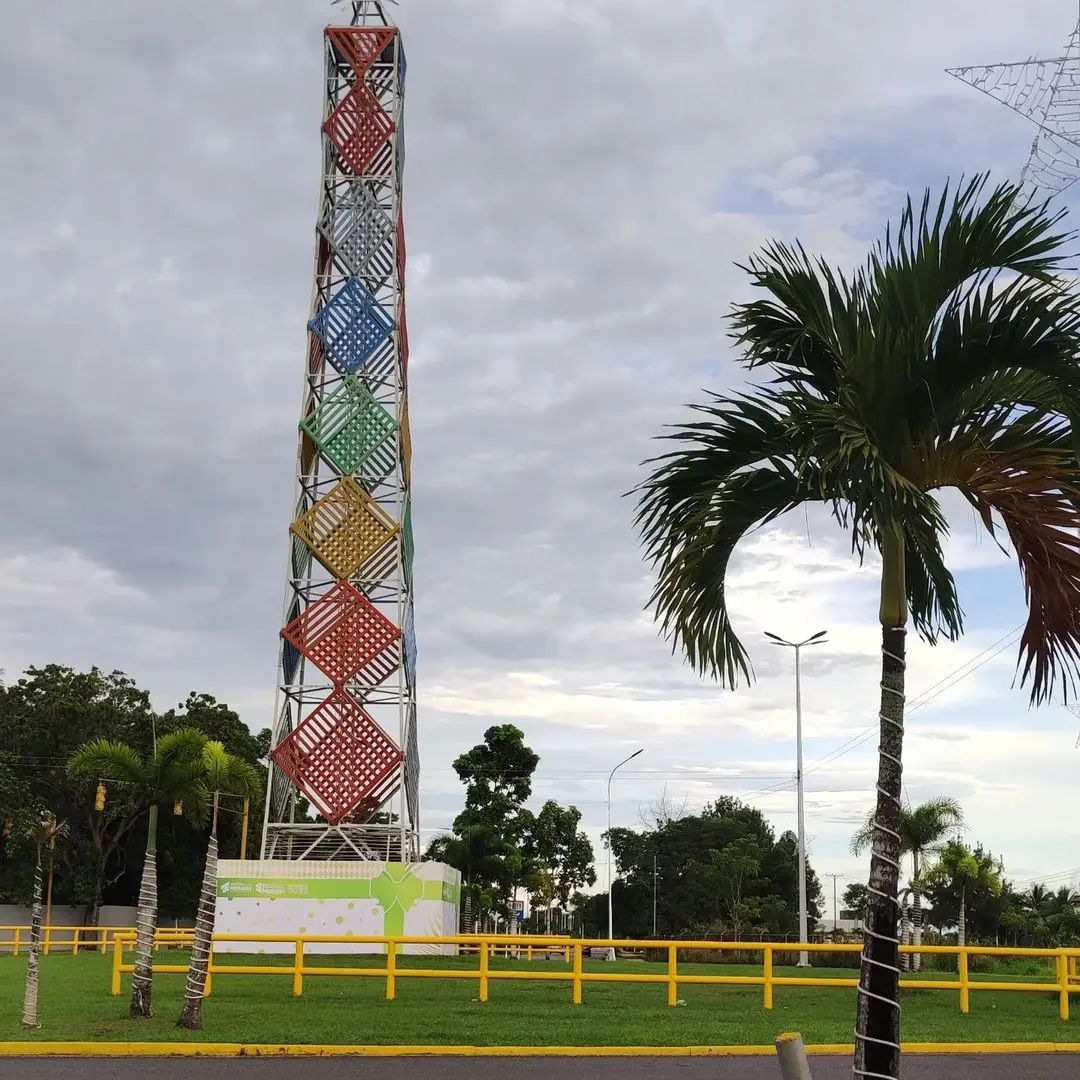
[
  {"x": 610, "y": 931},
  {"x": 816, "y": 639}
]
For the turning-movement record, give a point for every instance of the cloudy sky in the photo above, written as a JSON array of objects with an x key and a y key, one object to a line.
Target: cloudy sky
[{"x": 581, "y": 178}]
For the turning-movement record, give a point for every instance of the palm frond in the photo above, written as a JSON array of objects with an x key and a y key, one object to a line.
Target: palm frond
[
  {"x": 178, "y": 748},
  {"x": 1021, "y": 468},
  {"x": 109, "y": 760},
  {"x": 734, "y": 475},
  {"x": 228, "y": 773}
]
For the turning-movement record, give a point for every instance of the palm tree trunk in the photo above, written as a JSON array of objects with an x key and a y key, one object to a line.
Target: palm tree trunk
[
  {"x": 191, "y": 1015},
  {"x": 33, "y": 962},
  {"x": 145, "y": 925},
  {"x": 877, "y": 1026},
  {"x": 916, "y": 911},
  {"x": 905, "y": 935}
]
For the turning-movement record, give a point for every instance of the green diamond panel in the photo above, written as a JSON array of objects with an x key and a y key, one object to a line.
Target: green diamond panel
[{"x": 354, "y": 432}]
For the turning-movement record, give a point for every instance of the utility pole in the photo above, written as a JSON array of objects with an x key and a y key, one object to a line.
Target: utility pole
[
  {"x": 836, "y": 910},
  {"x": 816, "y": 639},
  {"x": 654, "y": 894}
]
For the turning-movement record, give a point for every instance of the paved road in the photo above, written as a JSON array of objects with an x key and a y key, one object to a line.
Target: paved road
[{"x": 1024, "y": 1067}]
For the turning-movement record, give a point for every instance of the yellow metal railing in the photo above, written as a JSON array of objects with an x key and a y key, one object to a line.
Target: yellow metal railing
[
  {"x": 299, "y": 969},
  {"x": 72, "y": 939}
]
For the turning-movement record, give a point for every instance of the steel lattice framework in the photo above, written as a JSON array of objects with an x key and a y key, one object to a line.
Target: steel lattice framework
[
  {"x": 1047, "y": 92},
  {"x": 344, "y": 734}
]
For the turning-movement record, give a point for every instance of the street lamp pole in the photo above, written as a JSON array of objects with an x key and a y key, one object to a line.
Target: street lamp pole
[
  {"x": 816, "y": 639},
  {"x": 610, "y": 921}
]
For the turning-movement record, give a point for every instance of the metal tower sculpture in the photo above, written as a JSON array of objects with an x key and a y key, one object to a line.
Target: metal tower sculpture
[
  {"x": 344, "y": 772},
  {"x": 1048, "y": 93}
]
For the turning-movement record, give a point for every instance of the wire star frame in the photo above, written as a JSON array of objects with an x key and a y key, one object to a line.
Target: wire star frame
[{"x": 1047, "y": 92}]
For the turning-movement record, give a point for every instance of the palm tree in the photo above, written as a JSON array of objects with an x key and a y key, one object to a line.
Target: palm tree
[
  {"x": 964, "y": 873},
  {"x": 484, "y": 859},
  {"x": 44, "y": 834},
  {"x": 224, "y": 773},
  {"x": 948, "y": 359},
  {"x": 173, "y": 774},
  {"x": 922, "y": 829}
]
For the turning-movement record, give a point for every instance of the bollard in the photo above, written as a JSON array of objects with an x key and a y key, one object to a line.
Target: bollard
[{"x": 791, "y": 1053}]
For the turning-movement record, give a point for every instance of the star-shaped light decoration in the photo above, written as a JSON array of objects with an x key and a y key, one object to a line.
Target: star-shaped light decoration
[{"x": 1047, "y": 92}]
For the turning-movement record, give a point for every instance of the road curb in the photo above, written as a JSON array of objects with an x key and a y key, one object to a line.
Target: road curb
[{"x": 227, "y": 1050}]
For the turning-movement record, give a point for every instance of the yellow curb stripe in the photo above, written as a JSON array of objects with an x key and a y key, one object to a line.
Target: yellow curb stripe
[{"x": 193, "y": 1049}]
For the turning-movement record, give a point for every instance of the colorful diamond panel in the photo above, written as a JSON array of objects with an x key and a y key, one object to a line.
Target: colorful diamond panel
[
  {"x": 359, "y": 46},
  {"x": 360, "y": 128},
  {"x": 352, "y": 326},
  {"x": 338, "y": 756},
  {"x": 346, "y": 637},
  {"x": 361, "y": 233},
  {"x": 345, "y": 528},
  {"x": 354, "y": 432}
]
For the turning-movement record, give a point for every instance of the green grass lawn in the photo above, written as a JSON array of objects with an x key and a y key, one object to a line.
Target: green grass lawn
[{"x": 75, "y": 1005}]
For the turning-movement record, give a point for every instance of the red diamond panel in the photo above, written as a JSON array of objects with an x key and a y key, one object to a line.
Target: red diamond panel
[
  {"x": 360, "y": 46},
  {"x": 359, "y": 127},
  {"x": 338, "y": 756},
  {"x": 347, "y": 638}
]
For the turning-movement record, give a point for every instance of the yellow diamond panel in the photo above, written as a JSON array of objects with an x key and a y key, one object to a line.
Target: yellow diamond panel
[{"x": 345, "y": 528}]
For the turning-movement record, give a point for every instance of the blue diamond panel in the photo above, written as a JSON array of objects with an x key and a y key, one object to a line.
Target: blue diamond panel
[
  {"x": 410, "y": 648},
  {"x": 352, "y": 326}
]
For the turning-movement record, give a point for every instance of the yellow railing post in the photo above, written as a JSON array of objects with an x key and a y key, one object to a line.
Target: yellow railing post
[
  {"x": 768, "y": 978},
  {"x": 965, "y": 992},
  {"x": 577, "y": 974},
  {"x": 391, "y": 970},
  {"x": 528, "y": 952},
  {"x": 48, "y": 939},
  {"x": 75, "y": 942},
  {"x": 298, "y": 969},
  {"x": 118, "y": 959},
  {"x": 15, "y": 941},
  {"x": 208, "y": 986},
  {"x": 1072, "y": 967},
  {"x": 1063, "y": 982},
  {"x": 484, "y": 970},
  {"x": 673, "y": 975}
]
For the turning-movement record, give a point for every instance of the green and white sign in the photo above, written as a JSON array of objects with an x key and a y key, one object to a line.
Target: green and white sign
[{"x": 348, "y": 899}]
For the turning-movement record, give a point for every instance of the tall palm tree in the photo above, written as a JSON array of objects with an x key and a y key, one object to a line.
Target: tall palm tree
[
  {"x": 224, "y": 773},
  {"x": 948, "y": 359},
  {"x": 172, "y": 774},
  {"x": 45, "y": 832},
  {"x": 922, "y": 830}
]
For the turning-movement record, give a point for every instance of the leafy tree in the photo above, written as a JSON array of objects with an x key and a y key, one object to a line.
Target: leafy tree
[
  {"x": 173, "y": 773},
  {"x": 735, "y": 867},
  {"x": 45, "y": 833},
  {"x": 562, "y": 854},
  {"x": 497, "y": 775},
  {"x": 223, "y": 773},
  {"x": 922, "y": 829},
  {"x": 688, "y": 883},
  {"x": 44, "y": 716},
  {"x": 856, "y": 897},
  {"x": 963, "y": 876},
  {"x": 948, "y": 359}
]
